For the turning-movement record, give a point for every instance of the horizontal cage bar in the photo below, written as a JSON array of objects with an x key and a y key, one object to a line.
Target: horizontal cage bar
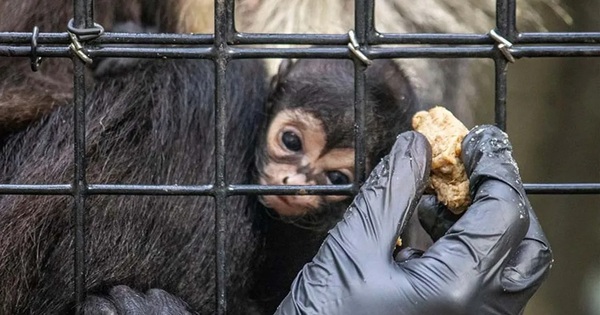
[
  {"x": 239, "y": 189},
  {"x": 62, "y": 38},
  {"x": 309, "y": 52}
]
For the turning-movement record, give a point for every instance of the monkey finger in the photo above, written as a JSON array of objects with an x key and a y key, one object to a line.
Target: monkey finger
[
  {"x": 386, "y": 201},
  {"x": 122, "y": 299},
  {"x": 96, "y": 305},
  {"x": 161, "y": 302}
]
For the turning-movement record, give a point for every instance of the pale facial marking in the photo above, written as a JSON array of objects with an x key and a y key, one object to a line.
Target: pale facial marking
[{"x": 295, "y": 144}]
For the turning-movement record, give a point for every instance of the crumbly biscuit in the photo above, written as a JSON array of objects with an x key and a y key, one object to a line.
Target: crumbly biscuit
[{"x": 448, "y": 177}]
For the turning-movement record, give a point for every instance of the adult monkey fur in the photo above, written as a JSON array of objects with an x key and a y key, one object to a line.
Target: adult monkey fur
[
  {"x": 25, "y": 96},
  {"x": 151, "y": 125}
]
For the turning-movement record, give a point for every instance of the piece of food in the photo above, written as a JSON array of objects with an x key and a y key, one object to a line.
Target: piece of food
[{"x": 448, "y": 177}]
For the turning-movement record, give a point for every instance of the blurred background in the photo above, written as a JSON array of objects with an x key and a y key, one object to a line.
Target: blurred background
[{"x": 554, "y": 124}]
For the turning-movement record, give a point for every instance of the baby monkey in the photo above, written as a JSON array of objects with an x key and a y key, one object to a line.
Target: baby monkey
[{"x": 309, "y": 137}]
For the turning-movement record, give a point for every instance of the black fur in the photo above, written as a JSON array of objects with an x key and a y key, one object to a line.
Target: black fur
[
  {"x": 26, "y": 96},
  {"x": 152, "y": 125}
]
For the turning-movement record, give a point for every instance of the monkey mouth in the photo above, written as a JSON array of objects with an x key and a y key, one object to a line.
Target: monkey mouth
[
  {"x": 284, "y": 206},
  {"x": 283, "y": 199},
  {"x": 267, "y": 200}
]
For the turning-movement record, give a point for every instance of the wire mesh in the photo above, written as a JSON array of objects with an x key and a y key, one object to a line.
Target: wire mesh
[{"x": 227, "y": 44}]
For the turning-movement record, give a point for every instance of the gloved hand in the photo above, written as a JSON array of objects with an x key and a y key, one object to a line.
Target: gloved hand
[{"x": 490, "y": 261}]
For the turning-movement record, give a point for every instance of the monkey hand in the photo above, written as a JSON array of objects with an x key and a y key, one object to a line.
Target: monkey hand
[
  {"x": 124, "y": 300},
  {"x": 490, "y": 261}
]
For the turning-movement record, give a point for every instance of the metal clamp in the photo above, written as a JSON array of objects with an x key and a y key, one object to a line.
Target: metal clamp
[
  {"x": 503, "y": 45},
  {"x": 35, "y": 61},
  {"x": 77, "y": 35},
  {"x": 85, "y": 34},
  {"x": 355, "y": 49}
]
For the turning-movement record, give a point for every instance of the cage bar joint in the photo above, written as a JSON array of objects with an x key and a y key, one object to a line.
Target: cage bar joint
[
  {"x": 504, "y": 45},
  {"x": 35, "y": 60},
  {"x": 355, "y": 49},
  {"x": 78, "y": 35}
]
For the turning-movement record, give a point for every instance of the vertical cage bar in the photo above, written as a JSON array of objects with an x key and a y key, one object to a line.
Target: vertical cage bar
[
  {"x": 83, "y": 18},
  {"x": 360, "y": 24},
  {"x": 505, "y": 20},
  {"x": 500, "y": 68},
  {"x": 511, "y": 20},
  {"x": 223, "y": 31},
  {"x": 369, "y": 20}
]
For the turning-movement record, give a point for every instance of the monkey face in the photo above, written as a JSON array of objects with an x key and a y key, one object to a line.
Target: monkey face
[{"x": 296, "y": 154}]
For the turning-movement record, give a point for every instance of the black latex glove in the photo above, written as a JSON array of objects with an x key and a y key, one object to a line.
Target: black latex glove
[{"x": 490, "y": 261}]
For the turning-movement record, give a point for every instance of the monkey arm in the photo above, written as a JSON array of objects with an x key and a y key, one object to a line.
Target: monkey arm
[
  {"x": 18, "y": 109},
  {"x": 26, "y": 96},
  {"x": 490, "y": 261}
]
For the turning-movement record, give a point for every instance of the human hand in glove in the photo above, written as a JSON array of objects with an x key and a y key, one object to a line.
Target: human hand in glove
[{"x": 490, "y": 261}]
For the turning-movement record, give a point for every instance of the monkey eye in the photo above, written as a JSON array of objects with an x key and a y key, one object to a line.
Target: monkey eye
[
  {"x": 338, "y": 178},
  {"x": 291, "y": 141}
]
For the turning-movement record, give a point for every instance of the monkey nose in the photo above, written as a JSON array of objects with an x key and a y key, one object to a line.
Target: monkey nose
[{"x": 296, "y": 179}]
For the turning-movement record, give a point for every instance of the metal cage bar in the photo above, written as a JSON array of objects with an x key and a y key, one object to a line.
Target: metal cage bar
[
  {"x": 83, "y": 17},
  {"x": 227, "y": 44},
  {"x": 224, "y": 28},
  {"x": 361, "y": 24}
]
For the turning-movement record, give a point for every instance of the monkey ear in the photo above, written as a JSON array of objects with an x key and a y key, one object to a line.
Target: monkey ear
[
  {"x": 284, "y": 69},
  {"x": 390, "y": 86},
  {"x": 392, "y": 95}
]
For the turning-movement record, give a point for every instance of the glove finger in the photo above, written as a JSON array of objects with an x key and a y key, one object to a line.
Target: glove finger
[
  {"x": 532, "y": 261},
  {"x": 386, "y": 201},
  {"x": 487, "y": 153},
  {"x": 524, "y": 272},
  {"x": 435, "y": 218},
  {"x": 496, "y": 222}
]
